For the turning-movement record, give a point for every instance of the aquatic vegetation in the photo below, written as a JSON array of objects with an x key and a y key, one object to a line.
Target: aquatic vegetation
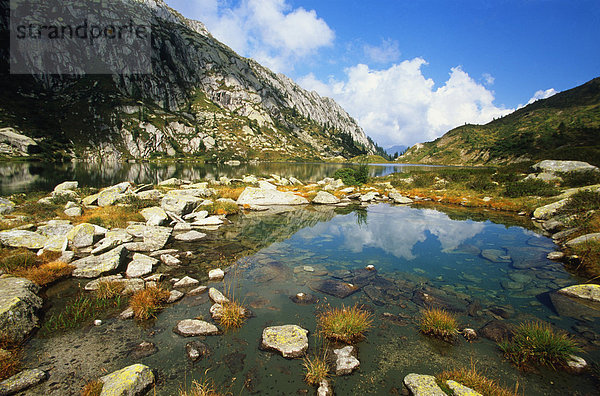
[
  {"x": 204, "y": 388},
  {"x": 110, "y": 216},
  {"x": 316, "y": 369},
  {"x": 538, "y": 343},
  {"x": 10, "y": 361},
  {"x": 439, "y": 323},
  {"x": 108, "y": 289},
  {"x": 344, "y": 324},
  {"x": 147, "y": 302},
  {"x": 92, "y": 388},
  {"x": 233, "y": 315},
  {"x": 80, "y": 311},
  {"x": 472, "y": 378},
  {"x": 46, "y": 273}
]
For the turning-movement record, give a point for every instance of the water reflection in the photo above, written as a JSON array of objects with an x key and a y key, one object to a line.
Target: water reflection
[{"x": 22, "y": 176}]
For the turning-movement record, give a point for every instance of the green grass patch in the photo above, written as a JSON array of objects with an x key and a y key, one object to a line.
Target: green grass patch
[
  {"x": 536, "y": 343},
  {"x": 580, "y": 179},
  {"x": 582, "y": 201},
  {"x": 530, "y": 187},
  {"x": 438, "y": 323},
  {"x": 344, "y": 324}
]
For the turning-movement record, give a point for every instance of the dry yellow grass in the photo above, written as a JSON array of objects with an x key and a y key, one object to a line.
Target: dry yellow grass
[
  {"x": 145, "y": 303},
  {"x": 438, "y": 323},
  {"x": 9, "y": 359},
  {"x": 92, "y": 388},
  {"x": 110, "y": 216},
  {"x": 46, "y": 273},
  {"x": 229, "y": 192},
  {"x": 204, "y": 388},
  {"x": 475, "y": 380}
]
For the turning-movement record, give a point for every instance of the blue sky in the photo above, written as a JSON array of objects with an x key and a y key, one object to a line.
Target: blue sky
[{"x": 410, "y": 70}]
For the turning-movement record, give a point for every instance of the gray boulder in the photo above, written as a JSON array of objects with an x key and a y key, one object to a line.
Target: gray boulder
[
  {"x": 6, "y": 206},
  {"x": 423, "y": 385},
  {"x": 22, "y": 381},
  {"x": 289, "y": 340},
  {"x": 325, "y": 198},
  {"x": 140, "y": 266},
  {"x": 155, "y": 216},
  {"x": 584, "y": 239},
  {"x": 133, "y": 380},
  {"x": 22, "y": 239},
  {"x": 194, "y": 328},
  {"x": 399, "y": 198},
  {"x": 68, "y": 185},
  {"x": 551, "y": 166},
  {"x": 269, "y": 197},
  {"x": 82, "y": 235},
  {"x": 190, "y": 236},
  {"x": 94, "y": 266},
  {"x": 18, "y": 306},
  {"x": 345, "y": 362}
]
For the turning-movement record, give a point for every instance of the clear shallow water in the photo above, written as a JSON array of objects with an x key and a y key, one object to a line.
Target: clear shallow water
[
  {"x": 430, "y": 250},
  {"x": 16, "y": 177}
]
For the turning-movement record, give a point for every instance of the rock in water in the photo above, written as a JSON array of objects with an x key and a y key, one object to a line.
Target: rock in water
[
  {"x": 423, "y": 385},
  {"x": 461, "y": 390},
  {"x": 190, "y": 236},
  {"x": 18, "y": 306},
  {"x": 335, "y": 288},
  {"x": 586, "y": 291},
  {"x": 133, "y": 380},
  {"x": 195, "y": 327},
  {"x": 197, "y": 350},
  {"x": 324, "y": 388},
  {"x": 216, "y": 296},
  {"x": 289, "y": 340},
  {"x": 22, "y": 381},
  {"x": 345, "y": 363},
  {"x": 140, "y": 266},
  {"x": 216, "y": 274}
]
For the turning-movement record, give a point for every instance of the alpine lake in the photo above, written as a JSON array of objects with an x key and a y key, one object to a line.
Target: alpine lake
[{"x": 487, "y": 267}]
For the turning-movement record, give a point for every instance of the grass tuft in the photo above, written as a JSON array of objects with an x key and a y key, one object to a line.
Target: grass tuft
[
  {"x": 110, "y": 216},
  {"x": 10, "y": 361},
  {"x": 108, "y": 289},
  {"x": 147, "y": 302},
  {"x": 438, "y": 323},
  {"x": 221, "y": 208},
  {"x": 46, "y": 273},
  {"x": 475, "y": 380},
  {"x": 92, "y": 388},
  {"x": 344, "y": 324},
  {"x": 537, "y": 343},
  {"x": 316, "y": 369},
  {"x": 204, "y": 388},
  {"x": 233, "y": 315},
  {"x": 530, "y": 187}
]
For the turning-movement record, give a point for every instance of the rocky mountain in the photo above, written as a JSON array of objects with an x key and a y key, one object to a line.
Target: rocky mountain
[
  {"x": 201, "y": 100},
  {"x": 565, "y": 126}
]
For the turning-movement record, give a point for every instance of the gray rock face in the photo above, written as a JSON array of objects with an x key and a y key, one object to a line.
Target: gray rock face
[
  {"x": 133, "y": 380},
  {"x": 186, "y": 281},
  {"x": 18, "y": 306},
  {"x": 140, "y": 266},
  {"x": 461, "y": 390},
  {"x": 22, "y": 239},
  {"x": 155, "y": 238},
  {"x": 325, "y": 198},
  {"x": 587, "y": 291},
  {"x": 68, "y": 185},
  {"x": 399, "y": 198},
  {"x": 13, "y": 143},
  {"x": 289, "y": 340},
  {"x": 269, "y": 197},
  {"x": 94, "y": 266},
  {"x": 82, "y": 235},
  {"x": 551, "y": 166},
  {"x": 216, "y": 296},
  {"x": 194, "y": 327},
  {"x": 423, "y": 385},
  {"x": 22, "y": 381},
  {"x": 345, "y": 362},
  {"x": 548, "y": 211},
  {"x": 180, "y": 204}
]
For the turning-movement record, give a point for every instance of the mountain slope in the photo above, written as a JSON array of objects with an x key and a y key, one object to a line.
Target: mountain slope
[
  {"x": 565, "y": 126},
  {"x": 201, "y": 100}
]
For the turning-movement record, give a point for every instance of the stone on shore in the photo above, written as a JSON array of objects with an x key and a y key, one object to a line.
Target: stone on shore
[
  {"x": 68, "y": 185},
  {"x": 179, "y": 204},
  {"x": 155, "y": 216},
  {"x": 552, "y": 166},
  {"x": 268, "y": 197},
  {"x": 423, "y": 385},
  {"x": 133, "y": 380},
  {"x": 155, "y": 238},
  {"x": 548, "y": 211},
  {"x": 82, "y": 235},
  {"x": 94, "y": 266},
  {"x": 587, "y": 291},
  {"x": 22, "y": 381},
  {"x": 289, "y": 340},
  {"x": 140, "y": 266},
  {"x": 195, "y": 327},
  {"x": 19, "y": 304},
  {"x": 22, "y": 239},
  {"x": 6, "y": 206},
  {"x": 208, "y": 221},
  {"x": 110, "y": 195},
  {"x": 399, "y": 198},
  {"x": 584, "y": 239},
  {"x": 345, "y": 362},
  {"x": 325, "y": 198}
]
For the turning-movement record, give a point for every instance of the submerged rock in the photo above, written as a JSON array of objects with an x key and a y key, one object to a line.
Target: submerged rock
[
  {"x": 197, "y": 350},
  {"x": 289, "y": 340},
  {"x": 133, "y": 380},
  {"x": 19, "y": 304},
  {"x": 190, "y": 236},
  {"x": 345, "y": 362},
  {"x": 195, "y": 327},
  {"x": 423, "y": 385},
  {"x": 334, "y": 287},
  {"x": 22, "y": 381},
  {"x": 303, "y": 298}
]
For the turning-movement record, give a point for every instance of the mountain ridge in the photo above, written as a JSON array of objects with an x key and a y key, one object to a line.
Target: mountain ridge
[
  {"x": 202, "y": 100},
  {"x": 565, "y": 126}
]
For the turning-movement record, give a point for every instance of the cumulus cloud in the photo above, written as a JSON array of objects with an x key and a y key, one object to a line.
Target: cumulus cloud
[
  {"x": 387, "y": 51},
  {"x": 399, "y": 105},
  {"x": 270, "y": 31},
  {"x": 541, "y": 94},
  {"x": 488, "y": 79}
]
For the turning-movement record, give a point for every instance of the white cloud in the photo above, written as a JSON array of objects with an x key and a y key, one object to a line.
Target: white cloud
[
  {"x": 541, "y": 94},
  {"x": 387, "y": 51},
  {"x": 399, "y": 105},
  {"x": 270, "y": 31},
  {"x": 488, "y": 79}
]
